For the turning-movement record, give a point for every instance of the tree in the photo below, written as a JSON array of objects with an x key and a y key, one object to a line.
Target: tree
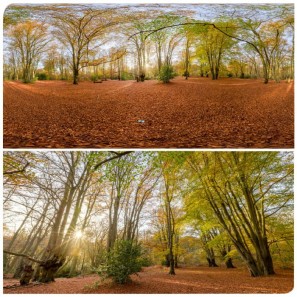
[
  {"x": 120, "y": 174},
  {"x": 261, "y": 33},
  {"x": 80, "y": 31},
  {"x": 200, "y": 216},
  {"x": 144, "y": 187},
  {"x": 139, "y": 42},
  {"x": 65, "y": 179},
  {"x": 187, "y": 56},
  {"x": 214, "y": 45},
  {"x": 66, "y": 211},
  {"x": 170, "y": 177},
  {"x": 244, "y": 190},
  {"x": 29, "y": 39},
  {"x": 165, "y": 40}
]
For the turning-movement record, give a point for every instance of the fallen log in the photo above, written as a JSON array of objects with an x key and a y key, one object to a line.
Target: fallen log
[{"x": 15, "y": 286}]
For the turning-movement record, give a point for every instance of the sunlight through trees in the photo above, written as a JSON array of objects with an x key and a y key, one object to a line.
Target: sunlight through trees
[{"x": 65, "y": 211}]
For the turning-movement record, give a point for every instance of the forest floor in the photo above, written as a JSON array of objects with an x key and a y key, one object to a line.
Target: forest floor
[
  {"x": 198, "y": 113},
  {"x": 156, "y": 280}
]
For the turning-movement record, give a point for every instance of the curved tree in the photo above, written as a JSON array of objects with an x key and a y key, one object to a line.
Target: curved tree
[{"x": 244, "y": 190}]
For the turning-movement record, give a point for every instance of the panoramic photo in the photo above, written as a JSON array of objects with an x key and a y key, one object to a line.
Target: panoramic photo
[
  {"x": 148, "y": 76},
  {"x": 148, "y": 222}
]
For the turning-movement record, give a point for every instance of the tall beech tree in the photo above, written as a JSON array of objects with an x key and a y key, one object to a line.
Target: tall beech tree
[
  {"x": 169, "y": 194},
  {"x": 214, "y": 45},
  {"x": 244, "y": 189},
  {"x": 80, "y": 31},
  {"x": 119, "y": 173},
  {"x": 200, "y": 217},
  {"x": 28, "y": 40},
  {"x": 141, "y": 193}
]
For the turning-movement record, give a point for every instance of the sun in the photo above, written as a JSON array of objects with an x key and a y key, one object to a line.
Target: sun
[{"x": 78, "y": 234}]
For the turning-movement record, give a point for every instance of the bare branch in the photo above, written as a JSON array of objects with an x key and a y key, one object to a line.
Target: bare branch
[{"x": 23, "y": 255}]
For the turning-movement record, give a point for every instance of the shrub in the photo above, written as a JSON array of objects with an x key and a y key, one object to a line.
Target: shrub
[
  {"x": 166, "y": 73},
  {"x": 145, "y": 261},
  {"x": 126, "y": 76},
  {"x": 42, "y": 76},
  {"x": 186, "y": 74},
  {"x": 29, "y": 81},
  {"x": 122, "y": 261},
  {"x": 230, "y": 74},
  {"x": 95, "y": 77}
]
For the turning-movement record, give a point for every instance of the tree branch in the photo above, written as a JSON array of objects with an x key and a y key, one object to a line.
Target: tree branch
[
  {"x": 23, "y": 255},
  {"x": 16, "y": 171},
  {"x": 118, "y": 155}
]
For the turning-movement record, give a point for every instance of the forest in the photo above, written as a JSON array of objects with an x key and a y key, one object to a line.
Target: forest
[
  {"x": 148, "y": 221},
  {"x": 148, "y": 76},
  {"x": 98, "y": 42}
]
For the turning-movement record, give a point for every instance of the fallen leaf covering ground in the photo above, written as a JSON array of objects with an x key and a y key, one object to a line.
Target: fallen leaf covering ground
[
  {"x": 198, "y": 113},
  {"x": 156, "y": 280}
]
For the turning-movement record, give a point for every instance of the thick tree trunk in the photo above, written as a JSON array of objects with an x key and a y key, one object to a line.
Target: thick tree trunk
[
  {"x": 19, "y": 269},
  {"x": 249, "y": 260},
  {"x": 211, "y": 262},
  {"x": 187, "y": 59},
  {"x": 265, "y": 259},
  {"x": 229, "y": 263},
  {"x": 210, "y": 255},
  {"x": 26, "y": 75},
  {"x": 167, "y": 260},
  {"x": 75, "y": 76},
  {"x": 172, "y": 270},
  {"x": 228, "y": 260},
  {"x": 266, "y": 67},
  {"x": 253, "y": 268},
  {"x": 49, "y": 268},
  {"x": 217, "y": 73},
  {"x": 175, "y": 262},
  {"x": 26, "y": 276}
]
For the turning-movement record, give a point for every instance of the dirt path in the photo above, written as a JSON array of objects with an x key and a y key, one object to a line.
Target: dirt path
[
  {"x": 156, "y": 280},
  {"x": 198, "y": 113}
]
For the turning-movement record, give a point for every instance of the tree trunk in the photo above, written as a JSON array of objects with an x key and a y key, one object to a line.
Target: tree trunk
[
  {"x": 265, "y": 71},
  {"x": 265, "y": 259},
  {"x": 19, "y": 269},
  {"x": 229, "y": 263},
  {"x": 75, "y": 76},
  {"x": 211, "y": 262},
  {"x": 172, "y": 270},
  {"x": 49, "y": 269},
  {"x": 228, "y": 260},
  {"x": 26, "y": 276},
  {"x": 167, "y": 260},
  {"x": 187, "y": 58},
  {"x": 73, "y": 266},
  {"x": 26, "y": 75},
  {"x": 175, "y": 262}
]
